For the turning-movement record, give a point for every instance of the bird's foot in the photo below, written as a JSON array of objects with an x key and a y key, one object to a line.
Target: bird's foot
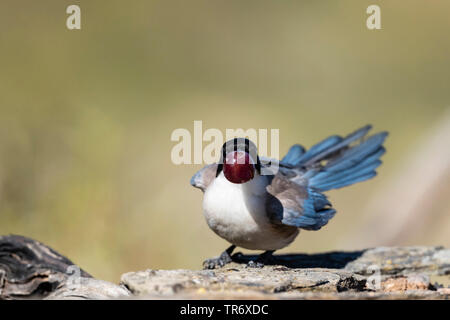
[
  {"x": 214, "y": 263},
  {"x": 262, "y": 260},
  {"x": 220, "y": 261},
  {"x": 255, "y": 264}
]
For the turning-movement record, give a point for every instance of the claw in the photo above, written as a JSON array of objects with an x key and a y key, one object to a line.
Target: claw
[
  {"x": 256, "y": 265},
  {"x": 220, "y": 261},
  {"x": 213, "y": 263},
  {"x": 264, "y": 258}
]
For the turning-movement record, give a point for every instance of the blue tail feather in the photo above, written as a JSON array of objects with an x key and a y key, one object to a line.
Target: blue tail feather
[
  {"x": 353, "y": 180},
  {"x": 346, "y": 176},
  {"x": 319, "y": 148},
  {"x": 355, "y": 164},
  {"x": 343, "y": 143},
  {"x": 294, "y": 153},
  {"x": 327, "y": 175},
  {"x": 371, "y": 161},
  {"x": 345, "y": 162},
  {"x": 356, "y": 154}
]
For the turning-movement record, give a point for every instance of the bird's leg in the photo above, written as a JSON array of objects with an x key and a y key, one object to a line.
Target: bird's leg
[
  {"x": 262, "y": 259},
  {"x": 220, "y": 261}
]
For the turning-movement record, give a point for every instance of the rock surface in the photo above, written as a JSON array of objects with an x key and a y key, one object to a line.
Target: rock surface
[
  {"x": 380, "y": 273},
  {"x": 32, "y": 270}
]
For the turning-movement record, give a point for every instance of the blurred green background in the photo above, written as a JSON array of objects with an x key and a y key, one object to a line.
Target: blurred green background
[{"x": 86, "y": 116}]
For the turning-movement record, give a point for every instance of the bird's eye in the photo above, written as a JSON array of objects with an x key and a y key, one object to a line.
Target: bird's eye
[{"x": 238, "y": 167}]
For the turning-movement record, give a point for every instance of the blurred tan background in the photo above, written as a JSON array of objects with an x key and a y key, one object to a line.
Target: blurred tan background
[{"x": 86, "y": 118}]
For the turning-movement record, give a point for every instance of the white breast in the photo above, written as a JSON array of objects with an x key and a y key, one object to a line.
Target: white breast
[{"x": 236, "y": 212}]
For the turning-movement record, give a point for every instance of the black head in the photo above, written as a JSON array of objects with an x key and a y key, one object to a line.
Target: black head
[{"x": 239, "y": 160}]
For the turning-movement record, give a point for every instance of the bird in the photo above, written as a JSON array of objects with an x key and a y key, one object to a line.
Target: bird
[{"x": 260, "y": 203}]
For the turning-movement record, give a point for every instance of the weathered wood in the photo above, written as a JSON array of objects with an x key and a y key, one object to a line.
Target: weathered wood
[{"x": 32, "y": 270}]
